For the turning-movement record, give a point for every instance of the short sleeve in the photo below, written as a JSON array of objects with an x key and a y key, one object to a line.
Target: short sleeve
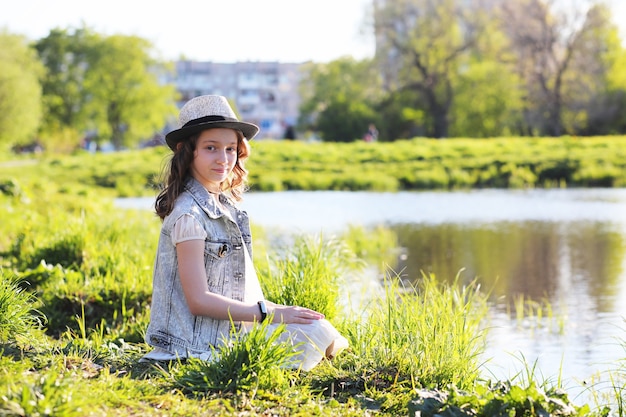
[{"x": 187, "y": 228}]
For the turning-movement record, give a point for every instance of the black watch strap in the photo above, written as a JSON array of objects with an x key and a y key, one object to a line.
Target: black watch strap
[{"x": 263, "y": 309}]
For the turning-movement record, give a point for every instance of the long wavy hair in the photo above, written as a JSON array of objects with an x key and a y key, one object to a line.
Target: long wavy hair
[{"x": 177, "y": 173}]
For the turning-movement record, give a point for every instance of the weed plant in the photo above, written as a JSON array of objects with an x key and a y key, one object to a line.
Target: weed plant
[
  {"x": 430, "y": 334},
  {"x": 18, "y": 316},
  {"x": 533, "y": 314},
  {"x": 380, "y": 252},
  {"x": 608, "y": 389},
  {"x": 252, "y": 362},
  {"x": 309, "y": 274}
]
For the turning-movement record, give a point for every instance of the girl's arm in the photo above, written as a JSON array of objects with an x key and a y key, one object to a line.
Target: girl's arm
[{"x": 202, "y": 302}]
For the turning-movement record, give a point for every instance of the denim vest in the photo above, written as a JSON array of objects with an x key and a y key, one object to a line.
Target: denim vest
[{"x": 172, "y": 327}]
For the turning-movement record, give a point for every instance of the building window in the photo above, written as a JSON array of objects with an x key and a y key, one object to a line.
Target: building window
[
  {"x": 268, "y": 97},
  {"x": 246, "y": 108}
]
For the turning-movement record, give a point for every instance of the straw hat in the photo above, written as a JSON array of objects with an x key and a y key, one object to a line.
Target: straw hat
[{"x": 206, "y": 112}]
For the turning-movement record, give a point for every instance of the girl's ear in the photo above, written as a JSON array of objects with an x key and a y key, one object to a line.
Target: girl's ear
[{"x": 179, "y": 145}]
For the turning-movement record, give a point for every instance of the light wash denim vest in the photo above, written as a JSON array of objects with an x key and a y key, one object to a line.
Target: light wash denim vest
[{"x": 172, "y": 327}]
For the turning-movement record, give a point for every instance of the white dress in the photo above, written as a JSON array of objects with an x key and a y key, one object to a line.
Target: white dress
[{"x": 312, "y": 340}]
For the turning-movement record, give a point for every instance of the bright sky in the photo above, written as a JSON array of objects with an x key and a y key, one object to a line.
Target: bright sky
[
  {"x": 220, "y": 30},
  {"x": 209, "y": 30}
]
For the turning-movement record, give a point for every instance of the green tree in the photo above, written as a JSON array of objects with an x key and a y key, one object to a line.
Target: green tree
[
  {"x": 488, "y": 93},
  {"x": 557, "y": 59},
  {"x": 604, "y": 110},
  {"x": 20, "y": 90},
  {"x": 65, "y": 54},
  {"x": 106, "y": 87},
  {"x": 487, "y": 100},
  {"x": 339, "y": 98},
  {"x": 401, "y": 117},
  {"x": 421, "y": 47},
  {"x": 128, "y": 101}
]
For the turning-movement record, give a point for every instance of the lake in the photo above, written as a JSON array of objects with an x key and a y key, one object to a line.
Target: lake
[{"x": 563, "y": 246}]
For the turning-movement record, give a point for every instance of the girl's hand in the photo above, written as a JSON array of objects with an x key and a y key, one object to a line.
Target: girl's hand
[{"x": 292, "y": 314}]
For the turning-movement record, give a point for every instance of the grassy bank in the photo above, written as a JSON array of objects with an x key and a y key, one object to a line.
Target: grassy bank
[
  {"x": 74, "y": 304},
  {"x": 74, "y": 299},
  {"x": 75, "y": 283},
  {"x": 418, "y": 164}
]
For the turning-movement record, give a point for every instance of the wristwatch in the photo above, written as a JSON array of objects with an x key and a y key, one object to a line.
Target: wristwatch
[{"x": 263, "y": 309}]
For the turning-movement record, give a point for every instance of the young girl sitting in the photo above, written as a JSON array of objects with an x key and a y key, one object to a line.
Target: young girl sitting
[{"x": 204, "y": 279}]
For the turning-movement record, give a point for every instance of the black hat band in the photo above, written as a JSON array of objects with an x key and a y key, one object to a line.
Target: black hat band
[{"x": 206, "y": 119}]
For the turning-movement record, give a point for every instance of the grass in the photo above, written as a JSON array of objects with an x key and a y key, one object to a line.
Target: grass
[
  {"x": 253, "y": 362},
  {"x": 75, "y": 284},
  {"x": 18, "y": 316},
  {"x": 533, "y": 314},
  {"x": 412, "y": 164},
  {"x": 309, "y": 274},
  {"x": 429, "y": 333}
]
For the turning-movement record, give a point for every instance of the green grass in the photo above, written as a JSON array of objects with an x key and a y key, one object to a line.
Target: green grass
[
  {"x": 429, "y": 334},
  {"x": 309, "y": 274},
  {"x": 75, "y": 288},
  {"x": 253, "y": 362},
  {"x": 416, "y": 164},
  {"x": 18, "y": 316}
]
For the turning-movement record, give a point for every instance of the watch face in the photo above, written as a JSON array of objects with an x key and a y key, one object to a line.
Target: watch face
[{"x": 263, "y": 307}]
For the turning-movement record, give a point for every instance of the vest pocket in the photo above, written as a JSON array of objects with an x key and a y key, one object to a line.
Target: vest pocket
[
  {"x": 216, "y": 255},
  {"x": 217, "y": 250}
]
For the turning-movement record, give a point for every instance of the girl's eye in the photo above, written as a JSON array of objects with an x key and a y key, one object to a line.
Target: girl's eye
[{"x": 231, "y": 149}]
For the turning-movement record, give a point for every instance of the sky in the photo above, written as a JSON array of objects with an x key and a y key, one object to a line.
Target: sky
[
  {"x": 209, "y": 30},
  {"x": 219, "y": 30}
]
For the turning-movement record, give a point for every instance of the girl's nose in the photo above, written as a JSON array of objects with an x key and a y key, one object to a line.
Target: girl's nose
[{"x": 222, "y": 157}]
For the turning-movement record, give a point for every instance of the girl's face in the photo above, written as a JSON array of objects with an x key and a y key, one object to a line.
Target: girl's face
[{"x": 215, "y": 157}]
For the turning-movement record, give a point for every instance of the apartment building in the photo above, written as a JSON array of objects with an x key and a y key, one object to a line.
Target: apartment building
[{"x": 263, "y": 93}]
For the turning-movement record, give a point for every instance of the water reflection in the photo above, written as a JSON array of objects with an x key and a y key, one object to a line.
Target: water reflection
[
  {"x": 537, "y": 259},
  {"x": 577, "y": 266}
]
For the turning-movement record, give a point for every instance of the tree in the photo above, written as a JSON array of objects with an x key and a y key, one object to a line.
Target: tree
[
  {"x": 65, "y": 55},
  {"x": 554, "y": 58},
  {"x": 488, "y": 92},
  {"x": 487, "y": 101},
  {"x": 605, "y": 87},
  {"x": 338, "y": 99},
  {"x": 128, "y": 101},
  {"x": 104, "y": 86},
  {"x": 20, "y": 90},
  {"x": 421, "y": 47}
]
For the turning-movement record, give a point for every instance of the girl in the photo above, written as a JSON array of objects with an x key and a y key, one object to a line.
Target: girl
[{"x": 203, "y": 273}]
